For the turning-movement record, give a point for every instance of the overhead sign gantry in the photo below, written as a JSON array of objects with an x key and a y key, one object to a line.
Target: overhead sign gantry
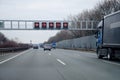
[{"x": 47, "y": 25}]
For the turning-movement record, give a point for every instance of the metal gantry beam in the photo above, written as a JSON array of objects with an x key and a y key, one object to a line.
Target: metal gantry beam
[{"x": 47, "y": 25}]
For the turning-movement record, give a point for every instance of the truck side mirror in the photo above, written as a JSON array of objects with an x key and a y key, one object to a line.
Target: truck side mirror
[{"x": 96, "y": 36}]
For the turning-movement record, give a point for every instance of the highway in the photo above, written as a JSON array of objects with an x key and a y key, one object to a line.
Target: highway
[{"x": 58, "y": 64}]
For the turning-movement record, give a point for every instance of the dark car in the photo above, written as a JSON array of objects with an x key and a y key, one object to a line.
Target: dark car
[
  {"x": 35, "y": 47},
  {"x": 47, "y": 47}
]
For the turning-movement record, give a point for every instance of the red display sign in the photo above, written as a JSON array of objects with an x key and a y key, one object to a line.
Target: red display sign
[
  {"x": 65, "y": 25},
  {"x": 51, "y": 25},
  {"x": 58, "y": 25},
  {"x": 36, "y": 25},
  {"x": 44, "y": 25}
]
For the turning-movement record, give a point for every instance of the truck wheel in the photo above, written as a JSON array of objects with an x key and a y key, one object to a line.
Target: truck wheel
[
  {"x": 98, "y": 54},
  {"x": 110, "y": 55}
]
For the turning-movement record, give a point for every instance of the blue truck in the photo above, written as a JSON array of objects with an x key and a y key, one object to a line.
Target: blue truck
[
  {"x": 108, "y": 37},
  {"x": 54, "y": 45}
]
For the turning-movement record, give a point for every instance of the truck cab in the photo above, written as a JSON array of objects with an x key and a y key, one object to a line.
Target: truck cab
[
  {"x": 101, "y": 52},
  {"x": 99, "y": 34}
]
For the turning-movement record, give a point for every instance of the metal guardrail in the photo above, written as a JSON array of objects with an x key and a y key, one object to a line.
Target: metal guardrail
[{"x": 2, "y": 50}]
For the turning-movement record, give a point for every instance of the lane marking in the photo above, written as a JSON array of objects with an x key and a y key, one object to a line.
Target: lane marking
[
  {"x": 61, "y": 62},
  {"x": 76, "y": 55},
  {"x": 111, "y": 62},
  {"x": 13, "y": 57},
  {"x": 49, "y": 54}
]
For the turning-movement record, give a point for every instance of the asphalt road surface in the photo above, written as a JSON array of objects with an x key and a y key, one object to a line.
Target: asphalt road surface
[{"x": 59, "y": 64}]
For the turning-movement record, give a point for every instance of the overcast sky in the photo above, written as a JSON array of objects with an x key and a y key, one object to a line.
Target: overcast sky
[{"x": 40, "y": 10}]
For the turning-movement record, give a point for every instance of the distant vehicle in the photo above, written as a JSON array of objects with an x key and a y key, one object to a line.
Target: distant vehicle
[
  {"x": 108, "y": 37},
  {"x": 35, "y": 46},
  {"x": 41, "y": 46},
  {"x": 54, "y": 45},
  {"x": 47, "y": 47}
]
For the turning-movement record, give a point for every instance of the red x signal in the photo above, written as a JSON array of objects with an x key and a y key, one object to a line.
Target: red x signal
[
  {"x": 65, "y": 25},
  {"x": 44, "y": 25},
  {"x": 58, "y": 25},
  {"x": 36, "y": 25},
  {"x": 51, "y": 25}
]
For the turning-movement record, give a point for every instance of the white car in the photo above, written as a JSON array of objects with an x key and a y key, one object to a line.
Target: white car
[{"x": 47, "y": 47}]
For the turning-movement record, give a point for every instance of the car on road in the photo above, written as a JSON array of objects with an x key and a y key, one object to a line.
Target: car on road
[
  {"x": 53, "y": 45},
  {"x": 47, "y": 47},
  {"x": 35, "y": 46}
]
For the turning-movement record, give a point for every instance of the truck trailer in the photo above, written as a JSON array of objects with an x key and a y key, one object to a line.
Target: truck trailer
[{"x": 108, "y": 37}]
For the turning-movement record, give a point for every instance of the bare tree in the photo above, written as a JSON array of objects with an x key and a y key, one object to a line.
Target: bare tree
[{"x": 100, "y": 10}]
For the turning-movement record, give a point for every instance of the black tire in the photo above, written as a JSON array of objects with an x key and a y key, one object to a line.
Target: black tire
[
  {"x": 98, "y": 53},
  {"x": 110, "y": 55}
]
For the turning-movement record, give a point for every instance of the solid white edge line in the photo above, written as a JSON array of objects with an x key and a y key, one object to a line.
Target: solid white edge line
[
  {"x": 12, "y": 57},
  {"x": 111, "y": 62},
  {"x": 61, "y": 62}
]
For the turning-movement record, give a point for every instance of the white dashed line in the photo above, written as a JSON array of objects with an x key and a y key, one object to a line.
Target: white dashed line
[
  {"x": 61, "y": 62},
  {"x": 111, "y": 62},
  {"x": 49, "y": 54},
  {"x": 12, "y": 57}
]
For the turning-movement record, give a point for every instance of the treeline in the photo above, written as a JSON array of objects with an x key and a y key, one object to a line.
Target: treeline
[
  {"x": 6, "y": 43},
  {"x": 101, "y": 9}
]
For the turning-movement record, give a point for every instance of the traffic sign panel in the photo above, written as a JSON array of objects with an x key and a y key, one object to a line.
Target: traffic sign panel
[
  {"x": 58, "y": 25},
  {"x": 44, "y": 25},
  {"x": 36, "y": 25},
  {"x": 51, "y": 25},
  {"x": 65, "y": 25}
]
